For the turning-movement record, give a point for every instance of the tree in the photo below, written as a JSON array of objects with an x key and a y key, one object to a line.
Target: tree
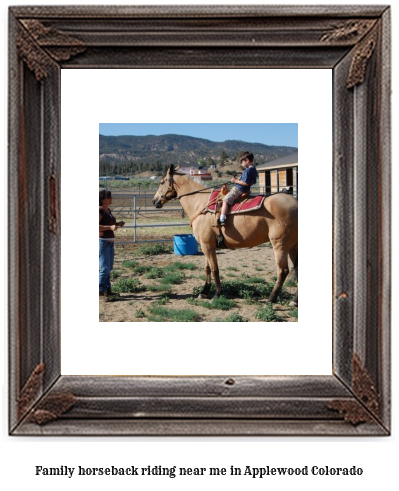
[{"x": 223, "y": 157}]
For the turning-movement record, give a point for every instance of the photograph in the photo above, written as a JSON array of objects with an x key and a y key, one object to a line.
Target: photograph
[{"x": 193, "y": 227}]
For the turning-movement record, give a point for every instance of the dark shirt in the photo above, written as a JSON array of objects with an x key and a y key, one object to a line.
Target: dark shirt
[
  {"x": 107, "y": 219},
  {"x": 249, "y": 176}
]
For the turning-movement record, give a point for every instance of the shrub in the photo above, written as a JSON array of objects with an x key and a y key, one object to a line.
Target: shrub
[
  {"x": 128, "y": 285},
  {"x": 267, "y": 314}
]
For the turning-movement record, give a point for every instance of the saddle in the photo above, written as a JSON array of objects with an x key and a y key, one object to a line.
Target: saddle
[{"x": 245, "y": 203}]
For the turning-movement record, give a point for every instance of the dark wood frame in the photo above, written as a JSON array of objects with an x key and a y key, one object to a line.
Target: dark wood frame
[{"x": 353, "y": 41}]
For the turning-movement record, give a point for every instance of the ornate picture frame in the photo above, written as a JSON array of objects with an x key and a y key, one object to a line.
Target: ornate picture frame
[{"x": 352, "y": 41}]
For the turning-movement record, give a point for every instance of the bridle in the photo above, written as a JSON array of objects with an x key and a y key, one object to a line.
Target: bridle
[{"x": 171, "y": 189}]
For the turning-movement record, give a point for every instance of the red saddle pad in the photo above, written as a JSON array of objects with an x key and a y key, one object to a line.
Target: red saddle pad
[{"x": 242, "y": 205}]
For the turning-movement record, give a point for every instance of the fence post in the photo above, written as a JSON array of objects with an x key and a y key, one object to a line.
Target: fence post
[{"x": 134, "y": 215}]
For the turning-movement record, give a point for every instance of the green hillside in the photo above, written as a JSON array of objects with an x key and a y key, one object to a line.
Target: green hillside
[{"x": 130, "y": 154}]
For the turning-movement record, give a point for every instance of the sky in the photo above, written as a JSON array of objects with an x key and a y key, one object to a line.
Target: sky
[{"x": 284, "y": 134}]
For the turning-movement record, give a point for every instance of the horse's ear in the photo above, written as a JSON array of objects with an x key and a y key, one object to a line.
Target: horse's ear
[
  {"x": 177, "y": 168},
  {"x": 171, "y": 169}
]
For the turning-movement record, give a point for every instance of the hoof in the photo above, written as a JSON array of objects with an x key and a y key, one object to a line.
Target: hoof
[
  {"x": 202, "y": 296},
  {"x": 293, "y": 304}
]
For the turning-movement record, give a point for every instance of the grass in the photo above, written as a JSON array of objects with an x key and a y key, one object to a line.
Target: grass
[
  {"x": 233, "y": 318},
  {"x": 291, "y": 283},
  {"x": 283, "y": 298},
  {"x": 267, "y": 314},
  {"x": 162, "y": 314},
  {"x": 128, "y": 285},
  {"x": 220, "y": 303},
  {"x": 294, "y": 313},
  {"x": 178, "y": 266},
  {"x": 155, "y": 249},
  {"x": 164, "y": 300},
  {"x": 139, "y": 314},
  {"x": 159, "y": 288},
  {"x": 141, "y": 269},
  {"x": 129, "y": 264},
  {"x": 115, "y": 273},
  {"x": 255, "y": 280},
  {"x": 242, "y": 288},
  {"x": 154, "y": 273},
  {"x": 172, "y": 278}
]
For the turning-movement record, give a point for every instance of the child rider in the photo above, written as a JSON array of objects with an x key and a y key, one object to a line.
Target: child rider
[{"x": 241, "y": 186}]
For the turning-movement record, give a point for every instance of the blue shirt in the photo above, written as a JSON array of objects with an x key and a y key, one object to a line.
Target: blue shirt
[{"x": 249, "y": 176}]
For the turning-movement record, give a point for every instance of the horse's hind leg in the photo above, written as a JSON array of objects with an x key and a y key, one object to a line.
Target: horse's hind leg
[
  {"x": 205, "y": 291},
  {"x": 294, "y": 258},
  {"x": 281, "y": 257}
]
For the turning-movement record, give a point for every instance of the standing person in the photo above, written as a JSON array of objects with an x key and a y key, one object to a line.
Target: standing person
[
  {"x": 108, "y": 225},
  {"x": 241, "y": 186}
]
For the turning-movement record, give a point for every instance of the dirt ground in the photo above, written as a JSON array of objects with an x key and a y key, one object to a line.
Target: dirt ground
[{"x": 234, "y": 265}]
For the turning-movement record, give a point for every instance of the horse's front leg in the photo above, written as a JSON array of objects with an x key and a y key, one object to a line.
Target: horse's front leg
[
  {"x": 210, "y": 255},
  {"x": 281, "y": 257},
  {"x": 205, "y": 291}
]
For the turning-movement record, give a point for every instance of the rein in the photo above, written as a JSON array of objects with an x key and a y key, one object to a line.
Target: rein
[
  {"x": 201, "y": 190},
  {"x": 171, "y": 188}
]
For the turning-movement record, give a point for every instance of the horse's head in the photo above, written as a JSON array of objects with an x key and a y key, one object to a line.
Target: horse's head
[{"x": 166, "y": 189}]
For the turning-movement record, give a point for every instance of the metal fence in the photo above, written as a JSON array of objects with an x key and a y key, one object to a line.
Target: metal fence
[{"x": 134, "y": 207}]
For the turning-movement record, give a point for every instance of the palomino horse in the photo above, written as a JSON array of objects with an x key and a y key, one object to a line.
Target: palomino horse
[{"x": 276, "y": 221}]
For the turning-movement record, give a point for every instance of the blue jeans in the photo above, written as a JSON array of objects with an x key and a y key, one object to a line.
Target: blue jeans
[{"x": 107, "y": 254}]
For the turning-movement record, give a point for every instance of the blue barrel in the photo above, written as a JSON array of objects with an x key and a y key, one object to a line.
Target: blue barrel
[{"x": 185, "y": 245}]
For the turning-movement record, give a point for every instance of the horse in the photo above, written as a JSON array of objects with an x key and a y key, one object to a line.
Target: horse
[{"x": 276, "y": 221}]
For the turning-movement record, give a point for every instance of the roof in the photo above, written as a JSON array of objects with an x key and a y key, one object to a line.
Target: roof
[{"x": 288, "y": 160}]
